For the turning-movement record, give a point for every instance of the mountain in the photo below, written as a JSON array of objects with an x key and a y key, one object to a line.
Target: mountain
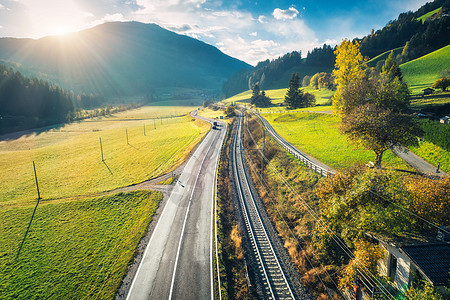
[
  {"x": 420, "y": 32},
  {"x": 122, "y": 59}
]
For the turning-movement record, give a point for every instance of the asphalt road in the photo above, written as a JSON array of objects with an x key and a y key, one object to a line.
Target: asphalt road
[
  {"x": 177, "y": 263},
  {"x": 418, "y": 163}
]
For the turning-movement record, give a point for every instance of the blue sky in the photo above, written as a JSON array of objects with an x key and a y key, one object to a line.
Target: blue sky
[{"x": 249, "y": 30}]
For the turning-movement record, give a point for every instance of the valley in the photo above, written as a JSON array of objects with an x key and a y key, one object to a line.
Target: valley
[{"x": 139, "y": 159}]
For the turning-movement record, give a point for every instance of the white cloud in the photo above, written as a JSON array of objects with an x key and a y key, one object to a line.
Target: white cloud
[
  {"x": 118, "y": 17},
  {"x": 254, "y": 34},
  {"x": 262, "y": 19},
  {"x": 287, "y": 14},
  {"x": 2, "y": 6}
]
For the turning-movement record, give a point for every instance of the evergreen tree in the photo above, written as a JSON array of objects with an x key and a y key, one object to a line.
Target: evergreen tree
[
  {"x": 391, "y": 69},
  {"x": 256, "y": 92},
  {"x": 294, "y": 95},
  {"x": 259, "y": 99}
]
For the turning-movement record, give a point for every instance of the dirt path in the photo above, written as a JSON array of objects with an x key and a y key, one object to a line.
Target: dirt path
[{"x": 418, "y": 163}]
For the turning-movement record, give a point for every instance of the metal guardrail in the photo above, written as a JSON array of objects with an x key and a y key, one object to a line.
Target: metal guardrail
[{"x": 292, "y": 150}]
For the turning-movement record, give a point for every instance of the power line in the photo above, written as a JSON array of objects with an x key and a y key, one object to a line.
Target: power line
[
  {"x": 367, "y": 274},
  {"x": 264, "y": 183}
]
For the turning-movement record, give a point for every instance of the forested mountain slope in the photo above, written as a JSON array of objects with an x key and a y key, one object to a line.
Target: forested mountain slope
[{"x": 125, "y": 59}]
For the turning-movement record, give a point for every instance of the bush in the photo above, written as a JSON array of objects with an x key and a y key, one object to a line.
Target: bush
[{"x": 436, "y": 133}]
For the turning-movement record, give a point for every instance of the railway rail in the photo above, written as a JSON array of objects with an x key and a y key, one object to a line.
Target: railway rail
[{"x": 275, "y": 284}]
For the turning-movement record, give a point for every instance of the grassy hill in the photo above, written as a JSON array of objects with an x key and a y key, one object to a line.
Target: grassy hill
[
  {"x": 429, "y": 14},
  {"x": 75, "y": 249},
  {"x": 68, "y": 159},
  {"x": 383, "y": 56},
  {"x": 424, "y": 71},
  {"x": 323, "y": 97}
]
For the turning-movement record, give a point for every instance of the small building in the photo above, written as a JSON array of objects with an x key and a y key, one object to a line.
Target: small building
[
  {"x": 428, "y": 91},
  {"x": 445, "y": 120},
  {"x": 410, "y": 259},
  {"x": 425, "y": 115}
]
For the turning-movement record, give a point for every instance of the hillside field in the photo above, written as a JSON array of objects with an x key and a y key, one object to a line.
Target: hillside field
[
  {"x": 318, "y": 135},
  {"x": 77, "y": 249},
  {"x": 424, "y": 71},
  {"x": 323, "y": 97},
  {"x": 68, "y": 159}
]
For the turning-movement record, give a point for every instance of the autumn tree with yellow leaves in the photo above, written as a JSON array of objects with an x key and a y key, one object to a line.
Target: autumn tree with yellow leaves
[
  {"x": 350, "y": 66},
  {"x": 430, "y": 199}
]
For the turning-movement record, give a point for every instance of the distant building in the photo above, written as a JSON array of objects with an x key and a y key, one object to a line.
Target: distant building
[
  {"x": 409, "y": 260},
  {"x": 428, "y": 91},
  {"x": 445, "y": 120},
  {"x": 425, "y": 115}
]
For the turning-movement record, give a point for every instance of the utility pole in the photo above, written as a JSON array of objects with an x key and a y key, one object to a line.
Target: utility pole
[
  {"x": 264, "y": 139},
  {"x": 144, "y": 130},
  {"x": 126, "y": 131},
  {"x": 101, "y": 149},
  {"x": 154, "y": 123},
  {"x": 32, "y": 216}
]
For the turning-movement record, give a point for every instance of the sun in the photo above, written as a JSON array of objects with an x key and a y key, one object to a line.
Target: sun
[
  {"x": 55, "y": 17},
  {"x": 62, "y": 30}
]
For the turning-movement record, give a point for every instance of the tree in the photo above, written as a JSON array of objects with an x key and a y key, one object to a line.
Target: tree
[
  {"x": 256, "y": 92},
  {"x": 392, "y": 93},
  {"x": 366, "y": 259},
  {"x": 259, "y": 99},
  {"x": 390, "y": 68},
  {"x": 314, "y": 81},
  {"x": 430, "y": 199},
  {"x": 309, "y": 100},
  {"x": 350, "y": 66},
  {"x": 230, "y": 111},
  {"x": 306, "y": 80},
  {"x": 442, "y": 83},
  {"x": 326, "y": 81},
  {"x": 379, "y": 91},
  {"x": 294, "y": 95},
  {"x": 378, "y": 129},
  {"x": 424, "y": 291}
]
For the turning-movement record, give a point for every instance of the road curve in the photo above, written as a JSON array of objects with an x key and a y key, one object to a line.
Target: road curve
[{"x": 177, "y": 262}]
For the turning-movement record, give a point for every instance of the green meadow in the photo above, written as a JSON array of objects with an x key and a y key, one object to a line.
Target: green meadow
[
  {"x": 75, "y": 249},
  {"x": 69, "y": 162},
  {"x": 212, "y": 114},
  {"x": 421, "y": 73},
  {"x": 433, "y": 154},
  {"x": 318, "y": 135},
  {"x": 430, "y": 14},
  {"x": 383, "y": 56},
  {"x": 323, "y": 97}
]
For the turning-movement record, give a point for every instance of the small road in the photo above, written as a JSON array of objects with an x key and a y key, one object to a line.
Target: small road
[
  {"x": 177, "y": 262},
  {"x": 418, "y": 163}
]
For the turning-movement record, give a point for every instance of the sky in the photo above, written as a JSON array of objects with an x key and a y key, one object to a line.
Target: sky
[{"x": 249, "y": 30}]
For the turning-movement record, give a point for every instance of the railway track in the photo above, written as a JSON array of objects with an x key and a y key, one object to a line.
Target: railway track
[{"x": 275, "y": 284}]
